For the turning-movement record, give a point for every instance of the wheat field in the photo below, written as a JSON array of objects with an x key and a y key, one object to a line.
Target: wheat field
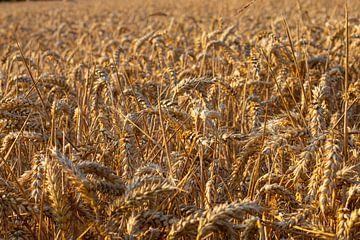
[{"x": 180, "y": 119}]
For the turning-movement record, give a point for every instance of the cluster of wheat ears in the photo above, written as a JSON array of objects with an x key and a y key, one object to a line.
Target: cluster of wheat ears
[{"x": 137, "y": 123}]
